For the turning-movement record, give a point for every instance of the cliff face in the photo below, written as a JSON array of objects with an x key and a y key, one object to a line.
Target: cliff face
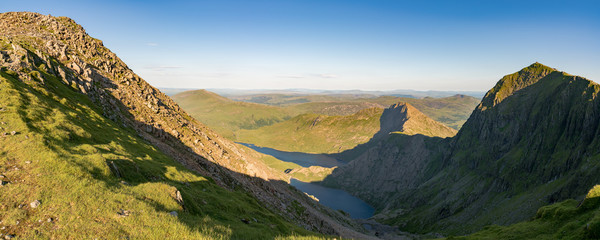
[
  {"x": 31, "y": 43},
  {"x": 394, "y": 160},
  {"x": 531, "y": 141}
]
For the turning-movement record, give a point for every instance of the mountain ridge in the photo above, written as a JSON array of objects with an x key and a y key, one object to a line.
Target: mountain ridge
[
  {"x": 532, "y": 141},
  {"x": 37, "y": 49}
]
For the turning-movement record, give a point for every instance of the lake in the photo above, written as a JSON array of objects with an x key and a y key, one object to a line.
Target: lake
[
  {"x": 333, "y": 198},
  {"x": 336, "y": 199},
  {"x": 302, "y": 159}
]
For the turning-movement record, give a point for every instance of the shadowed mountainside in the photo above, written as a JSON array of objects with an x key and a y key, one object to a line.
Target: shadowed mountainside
[{"x": 531, "y": 141}]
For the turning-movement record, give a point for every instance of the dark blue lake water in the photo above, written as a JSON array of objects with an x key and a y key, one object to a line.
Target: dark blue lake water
[
  {"x": 302, "y": 159},
  {"x": 336, "y": 199},
  {"x": 333, "y": 198}
]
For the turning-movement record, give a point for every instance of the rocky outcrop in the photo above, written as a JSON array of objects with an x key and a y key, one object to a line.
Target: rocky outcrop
[
  {"x": 31, "y": 42},
  {"x": 406, "y": 119},
  {"x": 533, "y": 140}
]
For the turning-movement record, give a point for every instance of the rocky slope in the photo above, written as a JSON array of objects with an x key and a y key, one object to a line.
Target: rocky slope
[
  {"x": 531, "y": 141},
  {"x": 35, "y": 47}
]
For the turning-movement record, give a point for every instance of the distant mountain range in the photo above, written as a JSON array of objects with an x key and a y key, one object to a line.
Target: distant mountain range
[{"x": 227, "y": 92}]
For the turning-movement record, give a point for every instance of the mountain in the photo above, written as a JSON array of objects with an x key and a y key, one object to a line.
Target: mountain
[
  {"x": 531, "y": 141},
  {"x": 89, "y": 149},
  {"x": 314, "y": 133},
  {"x": 227, "y": 116}
]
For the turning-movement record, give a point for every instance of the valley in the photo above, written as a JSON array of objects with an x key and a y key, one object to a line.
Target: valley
[{"x": 289, "y": 120}]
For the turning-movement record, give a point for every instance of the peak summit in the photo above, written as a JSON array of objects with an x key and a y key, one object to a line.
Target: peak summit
[
  {"x": 515, "y": 82},
  {"x": 405, "y": 118}
]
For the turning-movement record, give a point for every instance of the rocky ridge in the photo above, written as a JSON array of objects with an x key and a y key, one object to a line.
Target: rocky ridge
[
  {"x": 31, "y": 42},
  {"x": 531, "y": 141}
]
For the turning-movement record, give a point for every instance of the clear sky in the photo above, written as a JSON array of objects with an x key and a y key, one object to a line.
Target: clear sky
[{"x": 345, "y": 44}]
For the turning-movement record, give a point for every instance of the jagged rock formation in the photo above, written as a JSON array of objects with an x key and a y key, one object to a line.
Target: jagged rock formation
[
  {"x": 31, "y": 42},
  {"x": 404, "y": 118},
  {"x": 531, "y": 141}
]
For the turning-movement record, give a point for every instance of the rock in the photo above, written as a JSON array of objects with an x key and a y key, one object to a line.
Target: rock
[
  {"x": 13, "y": 133},
  {"x": 2, "y": 183},
  {"x": 9, "y": 236},
  {"x": 178, "y": 197},
  {"x": 27, "y": 162},
  {"x": 246, "y": 221},
  {"x": 122, "y": 213},
  {"x": 50, "y": 220},
  {"x": 35, "y": 204},
  {"x": 173, "y": 213}
]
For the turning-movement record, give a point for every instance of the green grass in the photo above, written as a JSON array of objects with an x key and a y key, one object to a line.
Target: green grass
[
  {"x": 569, "y": 219},
  {"x": 312, "y": 133},
  {"x": 61, "y": 156},
  {"x": 227, "y": 116}
]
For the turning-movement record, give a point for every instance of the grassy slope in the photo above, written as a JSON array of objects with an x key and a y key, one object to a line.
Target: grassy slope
[
  {"x": 60, "y": 156},
  {"x": 314, "y": 133},
  {"x": 569, "y": 219},
  {"x": 452, "y": 111},
  {"x": 227, "y": 116}
]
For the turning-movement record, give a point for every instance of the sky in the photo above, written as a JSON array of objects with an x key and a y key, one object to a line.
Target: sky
[{"x": 337, "y": 45}]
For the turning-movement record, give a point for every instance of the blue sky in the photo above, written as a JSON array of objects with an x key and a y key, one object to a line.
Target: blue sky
[{"x": 326, "y": 44}]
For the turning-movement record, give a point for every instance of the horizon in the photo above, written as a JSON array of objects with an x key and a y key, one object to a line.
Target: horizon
[{"x": 335, "y": 45}]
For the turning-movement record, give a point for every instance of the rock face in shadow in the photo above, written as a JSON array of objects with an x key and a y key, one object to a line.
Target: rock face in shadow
[
  {"x": 531, "y": 141},
  {"x": 30, "y": 42},
  {"x": 394, "y": 158}
]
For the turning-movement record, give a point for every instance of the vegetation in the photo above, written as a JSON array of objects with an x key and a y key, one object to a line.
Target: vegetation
[
  {"x": 93, "y": 178},
  {"x": 312, "y": 133},
  {"x": 569, "y": 219},
  {"x": 227, "y": 116}
]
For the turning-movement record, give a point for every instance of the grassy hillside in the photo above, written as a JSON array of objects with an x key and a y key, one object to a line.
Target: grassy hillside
[
  {"x": 315, "y": 133},
  {"x": 93, "y": 178},
  {"x": 569, "y": 219},
  {"x": 227, "y": 116},
  {"x": 452, "y": 111}
]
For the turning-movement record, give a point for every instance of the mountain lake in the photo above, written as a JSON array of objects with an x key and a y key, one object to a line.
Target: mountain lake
[{"x": 333, "y": 198}]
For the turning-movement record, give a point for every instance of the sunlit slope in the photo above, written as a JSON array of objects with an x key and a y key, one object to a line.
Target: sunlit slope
[
  {"x": 95, "y": 179},
  {"x": 227, "y": 116},
  {"x": 332, "y": 134},
  {"x": 313, "y": 133}
]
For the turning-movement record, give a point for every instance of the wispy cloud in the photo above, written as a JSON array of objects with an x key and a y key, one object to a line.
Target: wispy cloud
[
  {"x": 324, "y": 75},
  {"x": 152, "y": 44}
]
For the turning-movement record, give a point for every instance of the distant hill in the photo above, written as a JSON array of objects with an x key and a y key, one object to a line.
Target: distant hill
[
  {"x": 452, "y": 111},
  {"x": 314, "y": 133},
  {"x": 227, "y": 116},
  {"x": 533, "y": 140}
]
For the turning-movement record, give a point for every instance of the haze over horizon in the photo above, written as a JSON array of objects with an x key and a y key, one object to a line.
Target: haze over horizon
[{"x": 338, "y": 45}]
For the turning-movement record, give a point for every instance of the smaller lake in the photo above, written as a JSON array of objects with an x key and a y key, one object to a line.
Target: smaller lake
[
  {"x": 336, "y": 199},
  {"x": 302, "y": 159},
  {"x": 333, "y": 198}
]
